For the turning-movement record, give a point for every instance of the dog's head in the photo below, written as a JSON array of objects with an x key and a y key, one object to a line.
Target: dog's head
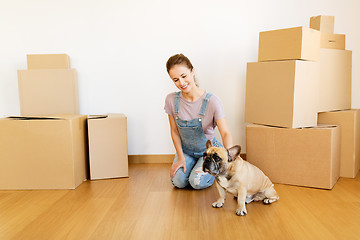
[{"x": 217, "y": 159}]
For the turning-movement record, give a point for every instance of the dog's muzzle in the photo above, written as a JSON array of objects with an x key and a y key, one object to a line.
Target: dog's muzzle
[{"x": 210, "y": 166}]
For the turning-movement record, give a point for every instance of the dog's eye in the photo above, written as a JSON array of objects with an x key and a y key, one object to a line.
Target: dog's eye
[{"x": 217, "y": 159}]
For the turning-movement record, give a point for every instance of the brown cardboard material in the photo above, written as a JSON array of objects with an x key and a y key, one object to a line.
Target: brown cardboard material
[
  {"x": 282, "y": 93},
  {"x": 304, "y": 157},
  {"x": 335, "y": 79},
  {"x": 349, "y": 121},
  {"x": 48, "y": 61},
  {"x": 323, "y": 23},
  {"x": 332, "y": 41},
  {"x": 48, "y": 92},
  {"x": 300, "y": 43},
  {"x": 108, "y": 146},
  {"x": 43, "y": 152}
]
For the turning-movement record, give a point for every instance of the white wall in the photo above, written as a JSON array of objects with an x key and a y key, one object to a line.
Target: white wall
[{"x": 120, "y": 47}]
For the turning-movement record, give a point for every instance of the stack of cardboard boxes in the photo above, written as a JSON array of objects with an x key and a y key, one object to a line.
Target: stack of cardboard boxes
[
  {"x": 47, "y": 146},
  {"x": 302, "y": 72}
]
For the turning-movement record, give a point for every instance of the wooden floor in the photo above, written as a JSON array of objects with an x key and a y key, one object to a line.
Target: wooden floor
[{"x": 146, "y": 206}]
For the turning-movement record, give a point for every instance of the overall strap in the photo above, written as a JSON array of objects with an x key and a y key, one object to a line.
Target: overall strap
[
  {"x": 177, "y": 102},
  {"x": 205, "y": 104}
]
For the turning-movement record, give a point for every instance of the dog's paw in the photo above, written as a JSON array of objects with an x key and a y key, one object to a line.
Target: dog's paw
[
  {"x": 241, "y": 212},
  {"x": 268, "y": 201},
  {"x": 217, "y": 204}
]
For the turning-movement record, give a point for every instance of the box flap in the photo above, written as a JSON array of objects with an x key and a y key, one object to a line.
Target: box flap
[
  {"x": 97, "y": 116},
  {"x": 34, "y": 118},
  {"x": 45, "y": 117},
  {"x": 319, "y": 126},
  {"x": 109, "y": 115}
]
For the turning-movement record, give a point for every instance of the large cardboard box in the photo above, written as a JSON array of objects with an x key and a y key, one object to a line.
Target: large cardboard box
[
  {"x": 48, "y": 61},
  {"x": 332, "y": 41},
  {"x": 108, "y": 146},
  {"x": 43, "y": 152},
  {"x": 349, "y": 121},
  {"x": 335, "y": 79},
  {"x": 282, "y": 93},
  {"x": 304, "y": 157},
  {"x": 48, "y": 92},
  {"x": 300, "y": 43},
  {"x": 323, "y": 23}
]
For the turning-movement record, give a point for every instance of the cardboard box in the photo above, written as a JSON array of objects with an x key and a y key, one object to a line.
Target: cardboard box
[
  {"x": 282, "y": 93},
  {"x": 48, "y": 92},
  {"x": 304, "y": 157},
  {"x": 332, "y": 41},
  {"x": 349, "y": 122},
  {"x": 335, "y": 79},
  {"x": 108, "y": 146},
  {"x": 300, "y": 43},
  {"x": 43, "y": 152},
  {"x": 48, "y": 61},
  {"x": 323, "y": 23}
]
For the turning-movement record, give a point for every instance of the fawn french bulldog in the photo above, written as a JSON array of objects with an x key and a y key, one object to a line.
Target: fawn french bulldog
[{"x": 238, "y": 177}]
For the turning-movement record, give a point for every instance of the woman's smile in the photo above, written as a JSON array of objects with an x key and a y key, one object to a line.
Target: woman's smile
[{"x": 184, "y": 86}]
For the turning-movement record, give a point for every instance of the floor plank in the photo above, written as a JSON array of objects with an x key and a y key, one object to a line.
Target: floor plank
[{"x": 147, "y": 206}]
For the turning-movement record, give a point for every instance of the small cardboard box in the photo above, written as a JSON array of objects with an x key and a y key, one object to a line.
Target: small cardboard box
[
  {"x": 335, "y": 79},
  {"x": 323, "y": 23},
  {"x": 332, "y": 41},
  {"x": 108, "y": 146},
  {"x": 48, "y": 92},
  {"x": 282, "y": 93},
  {"x": 48, "y": 61},
  {"x": 304, "y": 157},
  {"x": 349, "y": 122},
  {"x": 300, "y": 43},
  {"x": 43, "y": 152}
]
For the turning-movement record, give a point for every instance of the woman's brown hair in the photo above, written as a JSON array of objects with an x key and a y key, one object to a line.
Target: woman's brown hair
[{"x": 178, "y": 59}]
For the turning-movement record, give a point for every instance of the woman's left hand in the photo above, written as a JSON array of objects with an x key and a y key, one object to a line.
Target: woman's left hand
[{"x": 176, "y": 166}]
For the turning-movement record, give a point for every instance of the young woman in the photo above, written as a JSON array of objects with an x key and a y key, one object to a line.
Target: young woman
[{"x": 193, "y": 116}]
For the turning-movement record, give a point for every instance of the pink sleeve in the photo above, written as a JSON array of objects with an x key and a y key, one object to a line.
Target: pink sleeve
[
  {"x": 216, "y": 104},
  {"x": 169, "y": 104}
]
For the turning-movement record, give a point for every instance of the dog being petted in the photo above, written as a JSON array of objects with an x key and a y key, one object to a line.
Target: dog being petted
[{"x": 238, "y": 177}]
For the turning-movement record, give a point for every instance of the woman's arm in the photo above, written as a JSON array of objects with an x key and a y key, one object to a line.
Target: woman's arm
[
  {"x": 225, "y": 133},
  {"x": 175, "y": 136}
]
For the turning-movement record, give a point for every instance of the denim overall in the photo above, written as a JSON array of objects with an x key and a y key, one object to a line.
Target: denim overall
[{"x": 193, "y": 141}]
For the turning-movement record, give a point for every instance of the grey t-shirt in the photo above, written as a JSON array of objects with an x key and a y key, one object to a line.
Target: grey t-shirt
[{"x": 190, "y": 110}]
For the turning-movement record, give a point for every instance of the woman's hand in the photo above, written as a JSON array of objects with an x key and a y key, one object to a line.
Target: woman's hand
[{"x": 179, "y": 164}]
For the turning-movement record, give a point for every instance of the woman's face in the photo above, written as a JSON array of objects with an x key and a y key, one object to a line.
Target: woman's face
[{"x": 183, "y": 77}]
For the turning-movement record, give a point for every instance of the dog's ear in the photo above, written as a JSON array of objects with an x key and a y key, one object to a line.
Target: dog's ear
[
  {"x": 234, "y": 152},
  {"x": 208, "y": 144}
]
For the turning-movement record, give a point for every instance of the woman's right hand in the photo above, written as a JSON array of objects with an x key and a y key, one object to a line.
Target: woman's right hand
[{"x": 181, "y": 163}]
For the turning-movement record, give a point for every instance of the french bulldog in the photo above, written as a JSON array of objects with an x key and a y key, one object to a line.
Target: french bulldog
[{"x": 238, "y": 177}]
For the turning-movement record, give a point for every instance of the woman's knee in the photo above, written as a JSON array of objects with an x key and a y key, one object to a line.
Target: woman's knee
[
  {"x": 201, "y": 180},
  {"x": 180, "y": 180}
]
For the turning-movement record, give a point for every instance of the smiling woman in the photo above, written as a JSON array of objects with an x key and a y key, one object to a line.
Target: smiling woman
[{"x": 193, "y": 116}]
